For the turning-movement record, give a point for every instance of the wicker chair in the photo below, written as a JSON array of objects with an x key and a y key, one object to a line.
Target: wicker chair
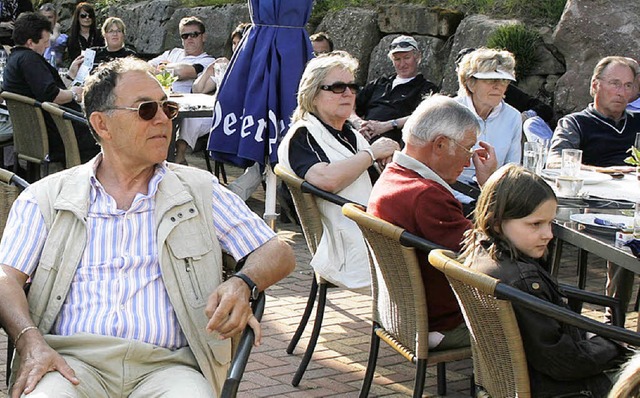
[
  {"x": 304, "y": 198},
  {"x": 30, "y": 139},
  {"x": 499, "y": 359},
  {"x": 63, "y": 119},
  {"x": 399, "y": 301},
  {"x": 10, "y": 187}
]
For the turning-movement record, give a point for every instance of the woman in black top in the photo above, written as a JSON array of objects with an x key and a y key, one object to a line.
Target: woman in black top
[
  {"x": 84, "y": 32},
  {"x": 114, "y": 31}
]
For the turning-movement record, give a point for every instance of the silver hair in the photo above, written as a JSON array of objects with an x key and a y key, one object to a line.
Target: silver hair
[
  {"x": 482, "y": 60},
  {"x": 438, "y": 115}
]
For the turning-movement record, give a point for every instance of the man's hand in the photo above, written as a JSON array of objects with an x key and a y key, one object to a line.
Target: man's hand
[
  {"x": 75, "y": 65},
  {"x": 383, "y": 150},
  {"x": 484, "y": 159},
  {"x": 36, "y": 360},
  {"x": 373, "y": 128},
  {"x": 229, "y": 311}
]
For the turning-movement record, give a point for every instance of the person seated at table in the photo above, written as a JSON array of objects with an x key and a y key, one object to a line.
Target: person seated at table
[
  {"x": 114, "y": 32},
  {"x": 483, "y": 77},
  {"x": 604, "y": 131},
  {"x": 58, "y": 40},
  {"x": 634, "y": 99},
  {"x": 208, "y": 81},
  {"x": 321, "y": 43},
  {"x": 323, "y": 148},
  {"x": 125, "y": 254},
  {"x": 414, "y": 193},
  {"x": 509, "y": 240},
  {"x": 9, "y": 12},
  {"x": 84, "y": 31},
  {"x": 28, "y": 73},
  {"x": 385, "y": 103},
  {"x": 187, "y": 64}
]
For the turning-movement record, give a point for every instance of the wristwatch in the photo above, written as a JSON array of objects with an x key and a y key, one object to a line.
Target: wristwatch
[
  {"x": 394, "y": 123},
  {"x": 253, "y": 289}
]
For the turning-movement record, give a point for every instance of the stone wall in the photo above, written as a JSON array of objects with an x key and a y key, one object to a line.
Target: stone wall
[{"x": 587, "y": 31}]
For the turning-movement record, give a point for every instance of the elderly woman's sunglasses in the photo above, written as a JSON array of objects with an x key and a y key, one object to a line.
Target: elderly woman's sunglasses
[
  {"x": 147, "y": 110},
  {"x": 340, "y": 87}
]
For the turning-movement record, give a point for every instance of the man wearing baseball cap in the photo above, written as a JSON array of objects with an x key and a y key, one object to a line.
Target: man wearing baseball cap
[{"x": 386, "y": 103}]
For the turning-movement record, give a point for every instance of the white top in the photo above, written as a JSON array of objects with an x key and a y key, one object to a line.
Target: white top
[{"x": 177, "y": 55}]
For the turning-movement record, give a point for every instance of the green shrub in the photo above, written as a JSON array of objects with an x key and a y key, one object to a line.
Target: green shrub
[{"x": 521, "y": 42}]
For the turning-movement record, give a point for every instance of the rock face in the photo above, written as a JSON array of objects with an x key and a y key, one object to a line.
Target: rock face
[
  {"x": 418, "y": 20},
  {"x": 588, "y": 31}
]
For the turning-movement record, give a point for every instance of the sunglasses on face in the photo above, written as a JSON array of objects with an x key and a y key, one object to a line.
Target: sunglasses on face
[
  {"x": 192, "y": 35},
  {"x": 147, "y": 110},
  {"x": 83, "y": 16},
  {"x": 341, "y": 87},
  {"x": 401, "y": 44}
]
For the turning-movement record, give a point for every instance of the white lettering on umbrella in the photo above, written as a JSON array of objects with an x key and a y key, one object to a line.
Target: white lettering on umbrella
[
  {"x": 247, "y": 121},
  {"x": 229, "y": 121}
]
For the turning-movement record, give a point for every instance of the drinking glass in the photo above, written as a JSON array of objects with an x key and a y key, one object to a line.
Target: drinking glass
[
  {"x": 637, "y": 145},
  {"x": 571, "y": 161},
  {"x": 531, "y": 155}
]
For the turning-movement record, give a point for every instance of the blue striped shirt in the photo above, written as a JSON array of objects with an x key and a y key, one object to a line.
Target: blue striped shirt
[{"x": 118, "y": 289}]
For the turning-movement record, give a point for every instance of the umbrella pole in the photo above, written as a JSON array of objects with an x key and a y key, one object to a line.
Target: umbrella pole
[{"x": 270, "y": 214}]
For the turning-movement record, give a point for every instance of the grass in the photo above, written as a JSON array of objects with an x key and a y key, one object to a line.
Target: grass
[{"x": 521, "y": 41}]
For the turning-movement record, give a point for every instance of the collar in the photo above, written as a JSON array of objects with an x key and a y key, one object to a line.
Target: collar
[
  {"x": 410, "y": 163},
  {"x": 591, "y": 107},
  {"x": 468, "y": 102}
]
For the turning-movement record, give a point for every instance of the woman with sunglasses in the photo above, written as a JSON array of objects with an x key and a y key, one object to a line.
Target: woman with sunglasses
[
  {"x": 323, "y": 148},
  {"x": 483, "y": 77},
  {"x": 84, "y": 31}
]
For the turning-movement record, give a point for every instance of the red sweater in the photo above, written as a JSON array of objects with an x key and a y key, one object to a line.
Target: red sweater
[{"x": 427, "y": 209}]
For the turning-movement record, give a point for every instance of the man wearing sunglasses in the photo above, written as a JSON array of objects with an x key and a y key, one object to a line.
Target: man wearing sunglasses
[
  {"x": 128, "y": 297},
  {"x": 385, "y": 103},
  {"x": 187, "y": 64},
  {"x": 28, "y": 73}
]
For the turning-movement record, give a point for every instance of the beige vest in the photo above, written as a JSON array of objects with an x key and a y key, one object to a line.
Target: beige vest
[
  {"x": 341, "y": 256},
  {"x": 190, "y": 255}
]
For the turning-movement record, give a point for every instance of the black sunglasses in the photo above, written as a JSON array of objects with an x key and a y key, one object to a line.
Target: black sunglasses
[
  {"x": 401, "y": 44},
  {"x": 147, "y": 110},
  {"x": 83, "y": 15},
  {"x": 192, "y": 35},
  {"x": 341, "y": 87}
]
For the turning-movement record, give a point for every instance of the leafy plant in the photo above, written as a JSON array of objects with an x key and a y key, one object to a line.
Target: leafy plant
[
  {"x": 634, "y": 159},
  {"x": 166, "y": 78},
  {"x": 521, "y": 42}
]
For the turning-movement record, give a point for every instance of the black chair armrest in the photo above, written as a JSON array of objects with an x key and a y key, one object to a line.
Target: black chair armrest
[
  {"x": 578, "y": 296},
  {"x": 239, "y": 362}
]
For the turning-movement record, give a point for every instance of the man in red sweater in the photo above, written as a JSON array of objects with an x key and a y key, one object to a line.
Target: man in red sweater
[{"x": 414, "y": 193}]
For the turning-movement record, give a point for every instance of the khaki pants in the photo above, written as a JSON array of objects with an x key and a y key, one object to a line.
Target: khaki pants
[{"x": 112, "y": 367}]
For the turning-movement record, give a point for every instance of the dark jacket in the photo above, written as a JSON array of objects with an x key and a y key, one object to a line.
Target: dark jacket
[{"x": 562, "y": 360}]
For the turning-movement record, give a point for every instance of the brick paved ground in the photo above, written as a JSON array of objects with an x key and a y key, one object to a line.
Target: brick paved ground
[{"x": 339, "y": 361}]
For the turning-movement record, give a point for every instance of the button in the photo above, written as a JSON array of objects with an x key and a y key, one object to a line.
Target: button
[
  {"x": 192, "y": 211},
  {"x": 535, "y": 285},
  {"x": 173, "y": 219},
  {"x": 179, "y": 215}
]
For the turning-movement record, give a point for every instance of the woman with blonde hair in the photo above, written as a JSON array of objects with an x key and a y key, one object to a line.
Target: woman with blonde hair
[
  {"x": 114, "y": 32},
  {"x": 483, "y": 77},
  {"x": 324, "y": 148}
]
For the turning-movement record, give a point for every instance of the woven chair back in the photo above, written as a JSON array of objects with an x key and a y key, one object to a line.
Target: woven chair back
[
  {"x": 29, "y": 130},
  {"x": 499, "y": 361},
  {"x": 65, "y": 128},
  {"x": 306, "y": 208},
  {"x": 399, "y": 300},
  {"x": 10, "y": 188}
]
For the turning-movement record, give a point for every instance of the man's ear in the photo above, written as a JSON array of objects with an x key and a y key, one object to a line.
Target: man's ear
[
  {"x": 98, "y": 121},
  {"x": 441, "y": 143}
]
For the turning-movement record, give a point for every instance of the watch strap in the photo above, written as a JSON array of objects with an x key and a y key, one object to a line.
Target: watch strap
[{"x": 253, "y": 288}]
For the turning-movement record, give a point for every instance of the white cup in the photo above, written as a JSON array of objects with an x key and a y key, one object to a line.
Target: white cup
[{"x": 569, "y": 187}]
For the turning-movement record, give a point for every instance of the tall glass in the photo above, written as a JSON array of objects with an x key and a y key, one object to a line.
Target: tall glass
[
  {"x": 531, "y": 155},
  {"x": 571, "y": 161}
]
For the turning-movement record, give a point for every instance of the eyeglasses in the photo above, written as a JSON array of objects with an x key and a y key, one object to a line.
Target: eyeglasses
[
  {"x": 468, "y": 151},
  {"x": 617, "y": 84},
  {"x": 84, "y": 16},
  {"x": 192, "y": 35},
  {"x": 340, "y": 87},
  {"x": 401, "y": 44},
  {"x": 114, "y": 32},
  {"x": 147, "y": 110}
]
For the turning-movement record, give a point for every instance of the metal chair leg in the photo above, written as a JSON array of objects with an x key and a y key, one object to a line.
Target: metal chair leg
[
  {"x": 322, "y": 300},
  {"x": 371, "y": 364},
  {"x": 205, "y": 154},
  {"x": 472, "y": 385},
  {"x": 582, "y": 268},
  {"x": 305, "y": 317},
  {"x": 421, "y": 374},
  {"x": 442, "y": 378}
]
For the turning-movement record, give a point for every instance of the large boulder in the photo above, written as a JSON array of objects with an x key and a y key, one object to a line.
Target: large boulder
[
  {"x": 152, "y": 26},
  {"x": 588, "y": 31},
  {"x": 418, "y": 20},
  {"x": 430, "y": 66},
  {"x": 356, "y": 31}
]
